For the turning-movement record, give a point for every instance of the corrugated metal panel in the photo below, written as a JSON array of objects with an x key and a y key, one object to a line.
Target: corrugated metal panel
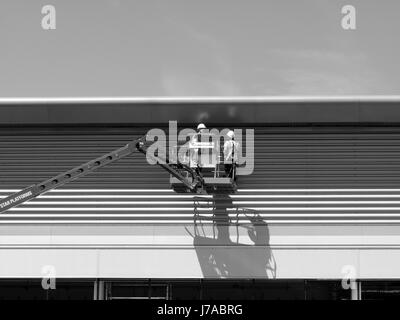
[{"x": 302, "y": 175}]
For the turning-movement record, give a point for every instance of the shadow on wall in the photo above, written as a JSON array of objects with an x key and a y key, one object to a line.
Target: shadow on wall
[{"x": 218, "y": 228}]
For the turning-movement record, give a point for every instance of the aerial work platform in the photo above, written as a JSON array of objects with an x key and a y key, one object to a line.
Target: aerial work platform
[
  {"x": 204, "y": 156},
  {"x": 211, "y": 185},
  {"x": 190, "y": 177}
]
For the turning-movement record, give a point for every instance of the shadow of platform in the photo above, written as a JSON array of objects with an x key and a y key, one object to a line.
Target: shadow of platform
[{"x": 218, "y": 229}]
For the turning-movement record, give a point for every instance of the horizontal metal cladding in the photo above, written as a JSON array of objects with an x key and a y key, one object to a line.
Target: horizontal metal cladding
[{"x": 313, "y": 174}]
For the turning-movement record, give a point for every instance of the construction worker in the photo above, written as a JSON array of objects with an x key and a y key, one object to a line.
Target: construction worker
[
  {"x": 194, "y": 152},
  {"x": 201, "y": 128},
  {"x": 231, "y": 148}
]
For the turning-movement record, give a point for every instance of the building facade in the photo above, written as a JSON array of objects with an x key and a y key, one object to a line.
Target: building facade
[{"x": 318, "y": 217}]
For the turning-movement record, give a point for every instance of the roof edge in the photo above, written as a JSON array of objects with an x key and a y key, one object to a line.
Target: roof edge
[{"x": 197, "y": 99}]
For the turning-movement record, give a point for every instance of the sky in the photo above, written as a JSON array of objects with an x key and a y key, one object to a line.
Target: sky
[{"x": 184, "y": 48}]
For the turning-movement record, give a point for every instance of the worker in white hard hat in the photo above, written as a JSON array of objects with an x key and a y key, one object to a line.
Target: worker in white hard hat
[
  {"x": 194, "y": 152},
  {"x": 231, "y": 148},
  {"x": 201, "y": 127}
]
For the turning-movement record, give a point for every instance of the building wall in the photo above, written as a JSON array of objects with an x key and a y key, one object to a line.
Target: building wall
[{"x": 322, "y": 202}]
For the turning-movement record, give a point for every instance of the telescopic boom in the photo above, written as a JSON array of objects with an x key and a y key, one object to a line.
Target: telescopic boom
[{"x": 192, "y": 180}]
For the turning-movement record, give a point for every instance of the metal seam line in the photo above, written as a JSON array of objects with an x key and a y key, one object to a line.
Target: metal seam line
[
  {"x": 239, "y": 190},
  {"x": 185, "y": 222}
]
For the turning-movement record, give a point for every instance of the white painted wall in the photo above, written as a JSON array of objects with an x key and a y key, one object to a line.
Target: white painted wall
[{"x": 295, "y": 251}]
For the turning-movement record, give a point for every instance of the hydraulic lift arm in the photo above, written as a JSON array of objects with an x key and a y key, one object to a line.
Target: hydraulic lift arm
[{"x": 194, "y": 183}]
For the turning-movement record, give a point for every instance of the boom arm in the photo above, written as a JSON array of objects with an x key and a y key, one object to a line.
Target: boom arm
[{"x": 33, "y": 191}]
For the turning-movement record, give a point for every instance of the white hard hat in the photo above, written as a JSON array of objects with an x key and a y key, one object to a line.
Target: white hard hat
[
  {"x": 231, "y": 134},
  {"x": 201, "y": 126}
]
